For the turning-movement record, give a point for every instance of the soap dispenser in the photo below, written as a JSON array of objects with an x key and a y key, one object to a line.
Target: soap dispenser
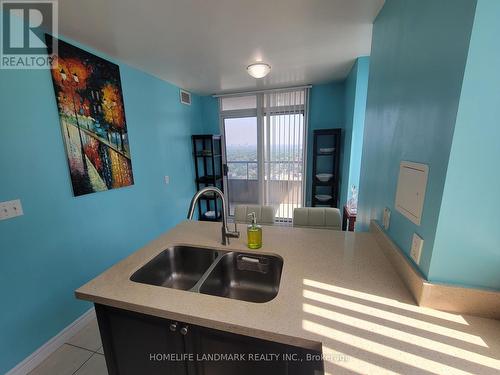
[{"x": 254, "y": 233}]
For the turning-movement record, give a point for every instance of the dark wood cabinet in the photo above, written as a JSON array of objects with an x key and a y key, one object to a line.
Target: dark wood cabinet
[
  {"x": 326, "y": 168},
  {"x": 142, "y": 344},
  {"x": 248, "y": 356},
  {"x": 132, "y": 343}
]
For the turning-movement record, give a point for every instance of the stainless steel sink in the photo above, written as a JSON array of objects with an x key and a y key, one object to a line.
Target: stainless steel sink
[
  {"x": 246, "y": 277},
  {"x": 178, "y": 267},
  {"x": 242, "y": 276}
]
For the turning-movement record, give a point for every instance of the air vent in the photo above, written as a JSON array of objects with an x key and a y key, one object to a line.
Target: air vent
[{"x": 185, "y": 97}]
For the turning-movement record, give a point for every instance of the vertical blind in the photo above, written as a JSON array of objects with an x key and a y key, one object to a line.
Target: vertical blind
[{"x": 284, "y": 150}]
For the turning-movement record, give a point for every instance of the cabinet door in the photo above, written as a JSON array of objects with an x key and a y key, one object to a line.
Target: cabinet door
[
  {"x": 139, "y": 344},
  {"x": 256, "y": 356},
  {"x": 260, "y": 356}
]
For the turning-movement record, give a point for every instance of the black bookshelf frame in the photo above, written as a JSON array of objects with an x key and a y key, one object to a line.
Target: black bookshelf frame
[
  {"x": 332, "y": 185},
  {"x": 208, "y": 166}
]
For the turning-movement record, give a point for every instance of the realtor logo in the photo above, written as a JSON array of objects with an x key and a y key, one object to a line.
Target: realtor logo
[{"x": 24, "y": 24}]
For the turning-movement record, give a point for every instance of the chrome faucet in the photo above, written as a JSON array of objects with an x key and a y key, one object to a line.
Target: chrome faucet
[{"x": 226, "y": 233}]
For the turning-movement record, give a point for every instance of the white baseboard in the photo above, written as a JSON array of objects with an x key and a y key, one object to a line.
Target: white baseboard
[{"x": 39, "y": 355}]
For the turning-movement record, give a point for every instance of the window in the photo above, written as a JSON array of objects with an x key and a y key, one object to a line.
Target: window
[
  {"x": 239, "y": 102},
  {"x": 265, "y": 140}
]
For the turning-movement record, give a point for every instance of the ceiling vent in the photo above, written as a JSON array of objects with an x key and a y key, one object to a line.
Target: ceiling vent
[{"x": 185, "y": 97}]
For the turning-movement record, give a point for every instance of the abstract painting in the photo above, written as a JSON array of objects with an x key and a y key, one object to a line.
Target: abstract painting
[{"x": 92, "y": 116}]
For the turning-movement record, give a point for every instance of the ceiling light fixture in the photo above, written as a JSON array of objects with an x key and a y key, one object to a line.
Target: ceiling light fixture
[{"x": 259, "y": 70}]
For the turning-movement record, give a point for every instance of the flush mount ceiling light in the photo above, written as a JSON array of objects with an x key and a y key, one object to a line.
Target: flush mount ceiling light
[{"x": 258, "y": 70}]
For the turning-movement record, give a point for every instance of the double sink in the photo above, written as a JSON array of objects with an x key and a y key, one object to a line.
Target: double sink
[{"x": 236, "y": 275}]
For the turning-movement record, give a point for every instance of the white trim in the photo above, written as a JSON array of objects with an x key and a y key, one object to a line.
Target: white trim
[
  {"x": 260, "y": 149},
  {"x": 39, "y": 355},
  {"x": 244, "y": 93},
  {"x": 305, "y": 148}
]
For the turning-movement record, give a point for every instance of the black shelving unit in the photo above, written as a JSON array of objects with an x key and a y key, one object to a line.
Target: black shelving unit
[
  {"x": 207, "y": 154},
  {"x": 326, "y": 160}
]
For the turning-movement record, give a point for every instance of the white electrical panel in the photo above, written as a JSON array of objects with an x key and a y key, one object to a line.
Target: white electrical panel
[
  {"x": 410, "y": 194},
  {"x": 10, "y": 209}
]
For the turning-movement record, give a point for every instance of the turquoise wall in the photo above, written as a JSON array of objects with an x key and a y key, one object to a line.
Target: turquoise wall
[
  {"x": 467, "y": 245},
  {"x": 210, "y": 114},
  {"x": 326, "y": 110},
  {"x": 356, "y": 89},
  {"x": 62, "y": 242},
  {"x": 419, "y": 50}
]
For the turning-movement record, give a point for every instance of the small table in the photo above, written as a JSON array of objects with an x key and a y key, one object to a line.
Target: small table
[{"x": 348, "y": 216}]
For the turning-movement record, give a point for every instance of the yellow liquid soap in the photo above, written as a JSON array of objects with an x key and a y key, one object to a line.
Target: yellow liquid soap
[{"x": 254, "y": 233}]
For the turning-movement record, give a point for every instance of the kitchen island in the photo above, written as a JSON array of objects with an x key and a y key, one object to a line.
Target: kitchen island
[{"x": 338, "y": 296}]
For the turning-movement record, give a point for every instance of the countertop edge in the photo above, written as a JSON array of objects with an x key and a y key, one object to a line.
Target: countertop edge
[{"x": 208, "y": 323}]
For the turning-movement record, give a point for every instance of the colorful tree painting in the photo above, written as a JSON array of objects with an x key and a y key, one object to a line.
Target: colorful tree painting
[
  {"x": 113, "y": 109},
  {"x": 92, "y": 116}
]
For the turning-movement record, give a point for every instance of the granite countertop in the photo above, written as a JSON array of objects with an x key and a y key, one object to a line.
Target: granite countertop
[{"x": 338, "y": 293}]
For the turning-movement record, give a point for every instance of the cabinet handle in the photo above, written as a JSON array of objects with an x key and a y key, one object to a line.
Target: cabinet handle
[
  {"x": 173, "y": 326},
  {"x": 184, "y": 330}
]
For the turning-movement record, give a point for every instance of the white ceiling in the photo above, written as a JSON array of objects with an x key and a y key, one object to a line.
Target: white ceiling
[{"x": 205, "y": 45}]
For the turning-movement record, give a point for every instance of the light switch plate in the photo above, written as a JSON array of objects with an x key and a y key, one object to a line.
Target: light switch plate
[
  {"x": 167, "y": 180},
  {"x": 10, "y": 209},
  {"x": 417, "y": 244},
  {"x": 387, "y": 218}
]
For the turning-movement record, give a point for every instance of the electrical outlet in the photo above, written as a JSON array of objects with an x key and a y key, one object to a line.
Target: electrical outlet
[
  {"x": 416, "y": 248},
  {"x": 387, "y": 218},
  {"x": 10, "y": 209},
  {"x": 167, "y": 180}
]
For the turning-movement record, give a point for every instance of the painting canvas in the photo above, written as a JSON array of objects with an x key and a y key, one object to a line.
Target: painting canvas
[{"x": 92, "y": 116}]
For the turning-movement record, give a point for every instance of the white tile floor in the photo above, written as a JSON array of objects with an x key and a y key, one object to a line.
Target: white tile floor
[{"x": 81, "y": 355}]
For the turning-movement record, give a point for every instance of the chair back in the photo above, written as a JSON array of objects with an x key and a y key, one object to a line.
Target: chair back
[
  {"x": 317, "y": 217},
  {"x": 264, "y": 214}
]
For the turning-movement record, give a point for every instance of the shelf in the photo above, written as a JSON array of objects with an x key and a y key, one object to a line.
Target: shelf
[
  {"x": 206, "y": 136},
  {"x": 204, "y": 218},
  {"x": 209, "y": 198},
  {"x": 325, "y": 154},
  {"x": 209, "y": 179},
  {"x": 208, "y": 156},
  {"x": 317, "y": 182},
  {"x": 329, "y": 203},
  {"x": 323, "y": 201}
]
